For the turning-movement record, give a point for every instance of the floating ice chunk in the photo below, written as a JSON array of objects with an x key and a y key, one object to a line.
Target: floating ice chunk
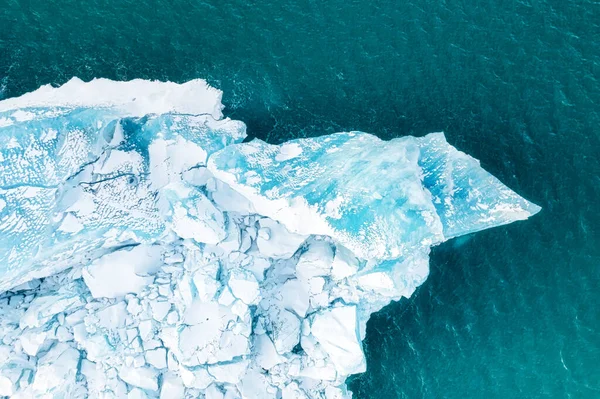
[
  {"x": 206, "y": 336},
  {"x": 212, "y": 392},
  {"x": 96, "y": 346},
  {"x": 336, "y": 331},
  {"x": 63, "y": 334},
  {"x": 193, "y": 215},
  {"x": 172, "y": 387},
  {"x": 411, "y": 273},
  {"x": 196, "y": 377},
  {"x": 56, "y": 371},
  {"x": 146, "y": 329},
  {"x": 228, "y": 199},
  {"x": 285, "y": 331},
  {"x": 99, "y": 381},
  {"x": 254, "y": 385},
  {"x": 169, "y": 159},
  {"x": 75, "y": 317},
  {"x": 266, "y": 354},
  {"x": 230, "y": 373},
  {"x": 244, "y": 286},
  {"x": 293, "y": 391},
  {"x": 15, "y": 370},
  {"x": 32, "y": 340},
  {"x": 206, "y": 286},
  {"x": 183, "y": 143},
  {"x": 226, "y": 298},
  {"x": 378, "y": 281},
  {"x": 198, "y": 176},
  {"x": 317, "y": 371},
  {"x": 275, "y": 241},
  {"x": 258, "y": 268},
  {"x": 233, "y": 240},
  {"x": 142, "y": 377},
  {"x": 121, "y": 272},
  {"x": 160, "y": 309},
  {"x": 44, "y": 308},
  {"x": 315, "y": 261},
  {"x": 157, "y": 358},
  {"x": 7, "y": 387},
  {"x": 112, "y": 317},
  {"x": 296, "y": 296}
]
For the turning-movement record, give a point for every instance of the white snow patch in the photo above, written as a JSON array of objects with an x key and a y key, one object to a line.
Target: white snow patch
[
  {"x": 122, "y": 272},
  {"x": 134, "y": 98}
]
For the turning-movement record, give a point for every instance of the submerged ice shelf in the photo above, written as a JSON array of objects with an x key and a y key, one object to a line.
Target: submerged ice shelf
[{"x": 146, "y": 252}]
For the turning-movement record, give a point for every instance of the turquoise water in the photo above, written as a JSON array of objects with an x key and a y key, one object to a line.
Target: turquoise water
[{"x": 512, "y": 312}]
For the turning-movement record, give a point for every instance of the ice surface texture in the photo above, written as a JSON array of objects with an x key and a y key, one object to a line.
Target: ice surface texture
[{"x": 146, "y": 252}]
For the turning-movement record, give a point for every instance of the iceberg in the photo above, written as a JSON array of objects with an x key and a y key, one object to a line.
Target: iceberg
[{"x": 148, "y": 251}]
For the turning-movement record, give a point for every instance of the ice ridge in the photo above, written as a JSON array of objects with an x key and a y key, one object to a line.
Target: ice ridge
[{"x": 147, "y": 252}]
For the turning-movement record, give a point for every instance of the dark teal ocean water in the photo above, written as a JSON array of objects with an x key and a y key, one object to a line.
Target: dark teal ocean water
[{"x": 512, "y": 312}]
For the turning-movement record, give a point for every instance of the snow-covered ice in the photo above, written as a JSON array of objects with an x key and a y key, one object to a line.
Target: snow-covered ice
[{"x": 147, "y": 252}]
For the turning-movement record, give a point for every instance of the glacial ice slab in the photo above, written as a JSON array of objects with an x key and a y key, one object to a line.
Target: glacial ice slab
[
  {"x": 381, "y": 199},
  {"x": 147, "y": 252}
]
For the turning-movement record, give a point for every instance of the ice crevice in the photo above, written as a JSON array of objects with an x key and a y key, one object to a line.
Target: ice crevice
[{"x": 148, "y": 251}]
